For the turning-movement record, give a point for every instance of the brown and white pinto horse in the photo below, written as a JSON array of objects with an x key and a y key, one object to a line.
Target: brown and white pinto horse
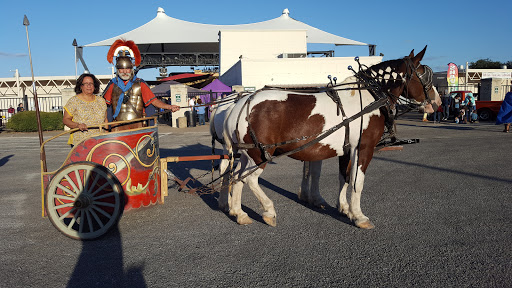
[{"x": 274, "y": 116}]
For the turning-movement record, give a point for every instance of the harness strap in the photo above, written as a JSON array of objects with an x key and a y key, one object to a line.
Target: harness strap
[
  {"x": 372, "y": 106},
  {"x": 335, "y": 97},
  {"x": 263, "y": 152}
]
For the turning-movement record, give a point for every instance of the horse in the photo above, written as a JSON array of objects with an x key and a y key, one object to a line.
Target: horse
[
  {"x": 259, "y": 128},
  {"x": 218, "y": 115}
]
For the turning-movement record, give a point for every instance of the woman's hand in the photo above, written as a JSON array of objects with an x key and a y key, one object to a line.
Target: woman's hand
[{"x": 82, "y": 127}]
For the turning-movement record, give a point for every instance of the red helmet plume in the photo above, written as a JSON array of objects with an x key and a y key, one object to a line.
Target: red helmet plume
[{"x": 120, "y": 46}]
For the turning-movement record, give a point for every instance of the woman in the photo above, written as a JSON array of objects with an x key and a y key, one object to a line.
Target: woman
[
  {"x": 85, "y": 109},
  {"x": 20, "y": 108}
]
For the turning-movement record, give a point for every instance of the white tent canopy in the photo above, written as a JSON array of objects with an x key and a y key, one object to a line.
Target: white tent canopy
[{"x": 165, "y": 34}]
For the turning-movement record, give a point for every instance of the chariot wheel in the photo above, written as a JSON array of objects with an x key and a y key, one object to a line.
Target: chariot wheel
[{"x": 84, "y": 200}]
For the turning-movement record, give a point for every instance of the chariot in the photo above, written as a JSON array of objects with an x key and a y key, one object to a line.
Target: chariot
[{"x": 104, "y": 176}]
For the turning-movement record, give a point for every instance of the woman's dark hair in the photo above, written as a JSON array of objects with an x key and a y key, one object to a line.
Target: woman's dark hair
[{"x": 80, "y": 80}]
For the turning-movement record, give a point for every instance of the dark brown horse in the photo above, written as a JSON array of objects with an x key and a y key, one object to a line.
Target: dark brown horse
[{"x": 278, "y": 122}]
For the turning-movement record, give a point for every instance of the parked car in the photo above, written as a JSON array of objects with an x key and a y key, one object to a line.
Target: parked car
[{"x": 488, "y": 110}]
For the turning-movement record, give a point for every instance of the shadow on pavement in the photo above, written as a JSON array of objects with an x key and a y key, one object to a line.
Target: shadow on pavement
[
  {"x": 100, "y": 264},
  {"x": 5, "y": 159}
]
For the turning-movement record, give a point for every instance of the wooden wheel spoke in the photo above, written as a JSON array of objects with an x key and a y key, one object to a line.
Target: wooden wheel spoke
[
  {"x": 70, "y": 225},
  {"x": 102, "y": 212},
  {"x": 63, "y": 197},
  {"x": 66, "y": 189},
  {"x": 63, "y": 206},
  {"x": 103, "y": 204},
  {"x": 72, "y": 184},
  {"x": 96, "y": 178},
  {"x": 79, "y": 180},
  {"x": 104, "y": 196},
  {"x": 89, "y": 220},
  {"x": 67, "y": 213},
  {"x": 98, "y": 220},
  {"x": 87, "y": 174},
  {"x": 100, "y": 189}
]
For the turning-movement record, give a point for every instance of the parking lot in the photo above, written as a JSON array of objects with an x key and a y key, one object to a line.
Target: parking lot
[{"x": 442, "y": 210}]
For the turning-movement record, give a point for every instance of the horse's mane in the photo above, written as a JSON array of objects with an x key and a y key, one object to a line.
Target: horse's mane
[
  {"x": 386, "y": 77},
  {"x": 395, "y": 63},
  {"x": 374, "y": 69}
]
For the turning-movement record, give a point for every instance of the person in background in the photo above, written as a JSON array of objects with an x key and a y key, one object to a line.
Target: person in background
[
  {"x": 11, "y": 110},
  {"x": 474, "y": 117},
  {"x": 438, "y": 114},
  {"x": 456, "y": 107},
  {"x": 201, "y": 111},
  {"x": 191, "y": 115},
  {"x": 447, "y": 103},
  {"x": 85, "y": 109},
  {"x": 191, "y": 103},
  {"x": 462, "y": 116},
  {"x": 470, "y": 104},
  {"x": 20, "y": 108},
  {"x": 505, "y": 114}
]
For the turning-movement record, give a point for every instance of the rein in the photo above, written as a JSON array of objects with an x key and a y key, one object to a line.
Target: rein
[{"x": 211, "y": 103}]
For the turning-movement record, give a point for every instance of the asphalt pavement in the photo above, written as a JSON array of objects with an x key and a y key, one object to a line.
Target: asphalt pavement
[{"x": 442, "y": 210}]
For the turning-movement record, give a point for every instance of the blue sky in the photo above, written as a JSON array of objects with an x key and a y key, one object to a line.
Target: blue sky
[{"x": 455, "y": 31}]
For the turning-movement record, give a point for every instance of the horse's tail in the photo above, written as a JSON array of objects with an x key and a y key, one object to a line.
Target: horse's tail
[
  {"x": 228, "y": 146},
  {"x": 213, "y": 133}
]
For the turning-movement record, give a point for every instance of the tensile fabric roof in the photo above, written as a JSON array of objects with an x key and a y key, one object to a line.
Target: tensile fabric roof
[{"x": 171, "y": 35}]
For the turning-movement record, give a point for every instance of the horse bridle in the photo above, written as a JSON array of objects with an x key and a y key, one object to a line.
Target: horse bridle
[{"x": 425, "y": 78}]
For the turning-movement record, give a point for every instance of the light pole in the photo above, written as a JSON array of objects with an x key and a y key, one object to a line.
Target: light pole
[
  {"x": 17, "y": 75},
  {"x": 36, "y": 103},
  {"x": 76, "y": 60}
]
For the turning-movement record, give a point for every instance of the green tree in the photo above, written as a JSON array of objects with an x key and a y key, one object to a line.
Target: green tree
[{"x": 486, "y": 64}]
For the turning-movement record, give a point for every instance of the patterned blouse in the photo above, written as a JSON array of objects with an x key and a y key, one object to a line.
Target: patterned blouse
[{"x": 88, "y": 112}]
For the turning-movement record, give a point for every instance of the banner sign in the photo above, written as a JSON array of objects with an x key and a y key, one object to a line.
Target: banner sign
[
  {"x": 452, "y": 77},
  {"x": 500, "y": 75}
]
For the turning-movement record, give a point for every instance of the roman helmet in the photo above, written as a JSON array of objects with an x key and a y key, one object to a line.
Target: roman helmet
[{"x": 127, "y": 55}]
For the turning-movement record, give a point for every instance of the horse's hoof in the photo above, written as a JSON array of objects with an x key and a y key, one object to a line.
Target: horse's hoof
[
  {"x": 320, "y": 204},
  {"x": 302, "y": 197},
  {"x": 271, "y": 221},
  {"x": 367, "y": 224},
  {"x": 243, "y": 220}
]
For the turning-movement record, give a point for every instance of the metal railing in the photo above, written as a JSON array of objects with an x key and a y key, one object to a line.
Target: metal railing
[{"x": 46, "y": 104}]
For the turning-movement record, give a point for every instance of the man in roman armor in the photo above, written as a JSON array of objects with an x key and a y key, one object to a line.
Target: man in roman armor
[{"x": 128, "y": 95}]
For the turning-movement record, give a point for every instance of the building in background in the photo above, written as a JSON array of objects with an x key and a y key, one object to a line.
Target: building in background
[{"x": 486, "y": 84}]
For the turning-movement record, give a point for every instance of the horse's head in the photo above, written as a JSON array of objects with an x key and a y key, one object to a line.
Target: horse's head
[
  {"x": 419, "y": 83},
  {"x": 409, "y": 78}
]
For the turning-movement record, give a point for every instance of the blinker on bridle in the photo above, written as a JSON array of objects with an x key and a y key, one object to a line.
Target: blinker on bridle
[{"x": 425, "y": 78}]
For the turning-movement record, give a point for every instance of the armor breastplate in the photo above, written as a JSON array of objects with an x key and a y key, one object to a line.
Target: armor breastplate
[{"x": 132, "y": 106}]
